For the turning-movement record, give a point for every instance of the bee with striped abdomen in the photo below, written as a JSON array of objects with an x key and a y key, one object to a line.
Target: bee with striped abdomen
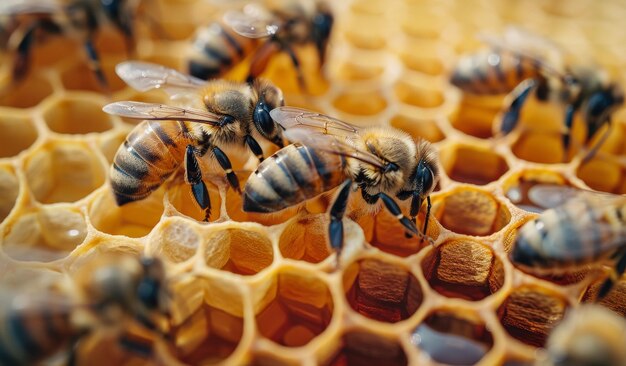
[
  {"x": 384, "y": 163},
  {"x": 216, "y": 114},
  {"x": 26, "y": 22},
  {"x": 114, "y": 291},
  {"x": 589, "y": 335},
  {"x": 219, "y": 46},
  {"x": 583, "y": 228},
  {"x": 521, "y": 64}
]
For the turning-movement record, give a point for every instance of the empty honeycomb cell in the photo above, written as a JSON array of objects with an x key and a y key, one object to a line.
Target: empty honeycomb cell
[
  {"x": 27, "y": 93},
  {"x": 471, "y": 164},
  {"x": 382, "y": 291},
  {"x": 470, "y": 211},
  {"x": 356, "y": 70},
  {"x": 9, "y": 189},
  {"x": 602, "y": 174},
  {"x": 361, "y": 348},
  {"x": 419, "y": 95},
  {"x": 63, "y": 172},
  {"x": 519, "y": 187},
  {"x": 364, "y": 103},
  {"x": 110, "y": 142},
  {"x": 539, "y": 148},
  {"x": 181, "y": 198},
  {"x": 239, "y": 251},
  {"x": 426, "y": 129},
  {"x": 134, "y": 219},
  {"x": 362, "y": 33},
  {"x": 45, "y": 235},
  {"x": 80, "y": 76},
  {"x": 76, "y": 114},
  {"x": 18, "y": 134},
  {"x": 476, "y": 115},
  {"x": 450, "y": 339},
  {"x": 429, "y": 26},
  {"x": 211, "y": 332},
  {"x": 306, "y": 239},
  {"x": 530, "y": 312},
  {"x": 464, "y": 269},
  {"x": 391, "y": 237},
  {"x": 300, "y": 309},
  {"x": 425, "y": 56}
]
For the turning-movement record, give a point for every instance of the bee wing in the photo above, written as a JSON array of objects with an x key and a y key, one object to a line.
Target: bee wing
[
  {"x": 154, "y": 111},
  {"x": 253, "y": 22},
  {"x": 144, "y": 76},
  {"x": 545, "y": 53},
  {"x": 323, "y": 133},
  {"x": 550, "y": 196},
  {"x": 12, "y": 7}
]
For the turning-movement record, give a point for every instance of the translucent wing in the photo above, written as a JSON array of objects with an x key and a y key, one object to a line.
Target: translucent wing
[
  {"x": 253, "y": 22},
  {"x": 545, "y": 53},
  {"x": 323, "y": 133},
  {"x": 154, "y": 111},
  {"x": 29, "y": 7},
  {"x": 550, "y": 196},
  {"x": 144, "y": 76}
]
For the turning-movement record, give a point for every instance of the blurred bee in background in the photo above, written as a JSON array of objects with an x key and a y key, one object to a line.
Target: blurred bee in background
[
  {"x": 118, "y": 290},
  {"x": 219, "y": 113},
  {"x": 521, "y": 64},
  {"x": 221, "y": 45},
  {"x": 380, "y": 161},
  {"x": 588, "y": 336},
  {"x": 24, "y": 23},
  {"x": 583, "y": 228}
]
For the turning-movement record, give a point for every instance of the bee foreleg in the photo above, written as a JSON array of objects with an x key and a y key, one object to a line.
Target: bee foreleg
[
  {"x": 592, "y": 152},
  {"x": 296, "y": 65},
  {"x": 193, "y": 176},
  {"x": 614, "y": 276},
  {"x": 22, "y": 60},
  {"x": 224, "y": 162},
  {"x": 94, "y": 64},
  {"x": 254, "y": 147},
  {"x": 393, "y": 207},
  {"x": 260, "y": 59},
  {"x": 337, "y": 211},
  {"x": 514, "y": 104},
  {"x": 569, "y": 120},
  {"x": 428, "y": 206}
]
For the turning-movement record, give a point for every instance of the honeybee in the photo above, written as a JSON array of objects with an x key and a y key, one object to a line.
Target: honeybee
[
  {"x": 220, "y": 113},
  {"x": 117, "y": 290},
  {"x": 380, "y": 161},
  {"x": 588, "y": 336},
  {"x": 220, "y": 45},
  {"x": 26, "y": 22},
  {"x": 521, "y": 64},
  {"x": 583, "y": 228}
]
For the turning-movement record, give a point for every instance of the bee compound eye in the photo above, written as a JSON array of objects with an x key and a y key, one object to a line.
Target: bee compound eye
[{"x": 263, "y": 120}]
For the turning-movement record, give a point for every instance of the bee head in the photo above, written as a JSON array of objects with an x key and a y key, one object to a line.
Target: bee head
[
  {"x": 425, "y": 177},
  {"x": 269, "y": 97}
]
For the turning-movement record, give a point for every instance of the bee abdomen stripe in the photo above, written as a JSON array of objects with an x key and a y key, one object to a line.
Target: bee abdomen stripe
[
  {"x": 321, "y": 168},
  {"x": 233, "y": 42},
  {"x": 161, "y": 134},
  {"x": 143, "y": 152},
  {"x": 217, "y": 54}
]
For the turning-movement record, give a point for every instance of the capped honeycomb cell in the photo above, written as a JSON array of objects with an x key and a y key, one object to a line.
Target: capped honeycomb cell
[
  {"x": 450, "y": 339},
  {"x": 212, "y": 326},
  {"x": 134, "y": 219},
  {"x": 63, "y": 172},
  {"x": 530, "y": 312},
  {"x": 45, "y": 235},
  {"x": 605, "y": 175},
  {"x": 9, "y": 189},
  {"x": 28, "y": 92},
  {"x": 239, "y": 251},
  {"x": 363, "y": 103},
  {"x": 18, "y": 134},
  {"x": 463, "y": 269},
  {"x": 177, "y": 240},
  {"x": 300, "y": 309},
  {"x": 361, "y": 348},
  {"x": 471, "y": 211},
  {"x": 306, "y": 239},
  {"x": 418, "y": 128},
  {"x": 76, "y": 114},
  {"x": 471, "y": 164},
  {"x": 381, "y": 290}
]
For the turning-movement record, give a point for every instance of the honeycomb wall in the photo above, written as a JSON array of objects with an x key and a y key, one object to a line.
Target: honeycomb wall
[{"x": 264, "y": 289}]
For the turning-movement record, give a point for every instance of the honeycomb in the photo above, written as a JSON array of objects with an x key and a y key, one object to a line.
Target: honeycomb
[{"x": 264, "y": 289}]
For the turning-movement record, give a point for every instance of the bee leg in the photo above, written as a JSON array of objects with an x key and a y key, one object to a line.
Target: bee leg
[
  {"x": 337, "y": 211},
  {"x": 94, "y": 64},
  {"x": 516, "y": 98},
  {"x": 393, "y": 207},
  {"x": 569, "y": 120},
  {"x": 296, "y": 64},
  {"x": 122, "y": 19},
  {"x": 224, "y": 162},
  {"x": 254, "y": 147},
  {"x": 428, "y": 206},
  {"x": 193, "y": 176},
  {"x": 592, "y": 152},
  {"x": 614, "y": 276},
  {"x": 22, "y": 59},
  {"x": 260, "y": 59}
]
